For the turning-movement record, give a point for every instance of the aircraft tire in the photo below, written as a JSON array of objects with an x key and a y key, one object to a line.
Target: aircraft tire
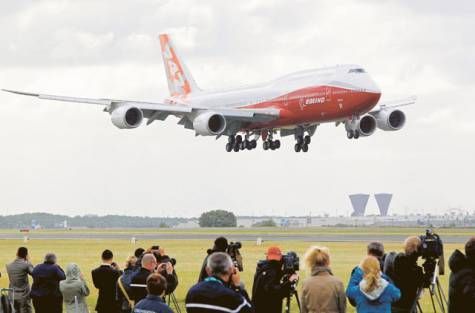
[
  {"x": 297, "y": 147},
  {"x": 304, "y": 147},
  {"x": 265, "y": 145},
  {"x": 350, "y": 134},
  {"x": 253, "y": 144},
  {"x": 229, "y": 147},
  {"x": 236, "y": 148},
  {"x": 357, "y": 134},
  {"x": 277, "y": 144},
  {"x": 238, "y": 139},
  {"x": 307, "y": 140}
]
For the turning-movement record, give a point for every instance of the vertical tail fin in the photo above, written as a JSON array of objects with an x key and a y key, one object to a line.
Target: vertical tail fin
[{"x": 180, "y": 81}]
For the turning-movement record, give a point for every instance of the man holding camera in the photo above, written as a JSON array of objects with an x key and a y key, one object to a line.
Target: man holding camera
[
  {"x": 221, "y": 291},
  {"x": 462, "y": 279},
  {"x": 18, "y": 272},
  {"x": 220, "y": 245},
  {"x": 407, "y": 275},
  {"x": 271, "y": 283}
]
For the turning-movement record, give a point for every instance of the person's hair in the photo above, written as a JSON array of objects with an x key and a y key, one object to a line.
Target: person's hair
[
  {"x": 138, "y": 252},
  {"x": 372, "y": 272},
  {"x": 412, "y": 245},
  {"x": 107, "y": 255},
  {"x": 219, "y": 263},
  {"x": 130, "y": 261},
  {"x": 376, "y": 249},
  {"x": 156, "y": 284},
  {"x": 317, "y": 256},
  {"x": 22, "y": 252},
  {"x": 50, "y": 258},
  {"x": 147, "y": 259},
  {"x": 470, "y": 248},
  {"x": 220, "y": 244}
]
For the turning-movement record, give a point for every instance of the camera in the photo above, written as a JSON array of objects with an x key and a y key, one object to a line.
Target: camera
[
  {"x": 432, "y": 246},
  {"x": 291, "y": 263},
  {"x": 233, "y": 251},
  {"x": 166, "y": 259}
]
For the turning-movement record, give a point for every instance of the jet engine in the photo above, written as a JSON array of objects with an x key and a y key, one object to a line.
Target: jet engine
[
  {"x": 365, "y": 126},
  {"x": 209, "y": 124},
  {"x": 390, "y": 120},
  {"x": 126, "y": 117}
]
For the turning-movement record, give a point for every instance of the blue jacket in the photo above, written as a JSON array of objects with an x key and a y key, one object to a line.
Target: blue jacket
[
  {"x": 357, "y": 276},
  {"x": 152, "y": 304},
  {"x": 213, "y": 296},
  {"x": 46, "y": 278},
  {"x": 376, "y": 301}
]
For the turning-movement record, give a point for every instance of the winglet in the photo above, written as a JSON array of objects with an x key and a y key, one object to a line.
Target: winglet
[{"x": 21, "y": 93}]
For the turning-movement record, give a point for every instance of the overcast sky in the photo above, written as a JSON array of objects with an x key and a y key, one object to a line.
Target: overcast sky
[{"x": 68, "y": 158}]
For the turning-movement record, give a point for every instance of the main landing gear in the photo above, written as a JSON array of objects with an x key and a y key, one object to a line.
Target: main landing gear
[
  {"x": 302, "y": 143},
  {"x": 236, "y": 143},
  {"x": 353, "y": 134},
  {"x": 269, "y": 143}
]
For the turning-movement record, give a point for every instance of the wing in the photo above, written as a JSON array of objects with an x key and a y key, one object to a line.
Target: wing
[
  {"x": 394, "y": 103},
  {"x": 159, "y": 111}
]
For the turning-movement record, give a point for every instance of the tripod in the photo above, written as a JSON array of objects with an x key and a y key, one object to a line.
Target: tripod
[
  {"x": 171, "y": 299},
  {"x": 437, "y": 296},
  {"x": 293, "y": 292}
]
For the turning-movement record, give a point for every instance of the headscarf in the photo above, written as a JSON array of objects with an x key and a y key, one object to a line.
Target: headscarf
[{"x": 73, "y": 272}]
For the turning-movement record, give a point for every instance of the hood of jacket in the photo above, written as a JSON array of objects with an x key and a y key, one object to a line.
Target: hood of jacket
[
  {"x": 457, "y": 261},
  {"x": 317, "y": 270},
  {"x": 73, "y": 272},
  {"x": 375, "y": 293}
]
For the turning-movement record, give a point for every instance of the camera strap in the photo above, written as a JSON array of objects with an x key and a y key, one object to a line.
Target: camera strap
[
  {"x": 213, "y": 279},
  {"x": 124, "y": 292}
]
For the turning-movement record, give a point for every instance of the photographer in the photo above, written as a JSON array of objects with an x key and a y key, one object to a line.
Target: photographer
[
  {"x": 407, "y": 275},
  {"x": 220, "y": 245},
  {"x": 462, "y": 279},
  {"x": 221, "y": 291},
  {"x": 18, "y": 272},
  {"x": 139, "y": 280},
  {"x": 271, "y": 283}
]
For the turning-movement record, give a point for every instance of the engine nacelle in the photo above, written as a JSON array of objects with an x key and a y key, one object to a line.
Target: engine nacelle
[
  {"x": 366, "y": 125},
  {"x": 209, "y": 124},
  {"x": 390, "y": 120},
  {"x": 126, "y": 117}
]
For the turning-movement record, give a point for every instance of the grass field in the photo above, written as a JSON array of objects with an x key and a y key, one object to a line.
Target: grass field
[{"x": 190, "y": 254}]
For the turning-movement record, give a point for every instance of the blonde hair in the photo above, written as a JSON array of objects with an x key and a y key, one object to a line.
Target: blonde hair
[
  {"x": 412, "y": 244},
  {"x": 317, "y": 256},
  {"x": 130, "y": 261},
  {"x": 372, "y": 272}
]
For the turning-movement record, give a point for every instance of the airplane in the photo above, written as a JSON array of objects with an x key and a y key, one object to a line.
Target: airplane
[{"x": 292, "y": 105}]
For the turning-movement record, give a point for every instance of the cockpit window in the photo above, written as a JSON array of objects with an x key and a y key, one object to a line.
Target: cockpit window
[{"x": 356, "y": 70}]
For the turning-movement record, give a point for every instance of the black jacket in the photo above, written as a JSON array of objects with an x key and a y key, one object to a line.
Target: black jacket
[
  {"x": 46, "y": 278},
  {"x": 138, "y": 293},
  {"x": 268, "y": 291},
  {"x": 213, "y": 296},
  {"x": 105, "y": 278},
  {"x": 461, "y": 283},
  {"x": 408, "y": 277}
]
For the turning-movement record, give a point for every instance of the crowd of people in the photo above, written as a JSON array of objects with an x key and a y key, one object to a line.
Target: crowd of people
[{"x": 382, "y": 282}]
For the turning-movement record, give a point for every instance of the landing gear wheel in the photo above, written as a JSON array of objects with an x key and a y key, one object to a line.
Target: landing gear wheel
[
  {"x": 253, "y": 144},
  {"x": 236, "y": 148},
  {"x": 248, "y": 145},
  {"x": 297, "y": 147},
  {"x": 307, "y": 140},
  {"x": 272, "y": 145},
  {"x": 277, "y": 144},
  {"x": 238, "y": 139},
  {"x": 350, "y": 134},
  {"x": 356, "y": 135},
  {"x": 242, "y": 145},
  {"x": 229, "y": 147},
  {"x": 304, "y": 147},
  {"x": 266, "y": 145}
]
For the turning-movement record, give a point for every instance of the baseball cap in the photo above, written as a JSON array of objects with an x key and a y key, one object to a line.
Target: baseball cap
[{"x": 274, "y": 254}]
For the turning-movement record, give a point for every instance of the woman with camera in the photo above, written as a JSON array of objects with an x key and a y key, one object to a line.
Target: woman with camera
[
  {"x": 322, "y": 292},
  {"x": 374, "y": 293}
]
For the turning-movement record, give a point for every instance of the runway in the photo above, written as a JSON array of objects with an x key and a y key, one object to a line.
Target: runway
[{"x": 234, "y": 237}]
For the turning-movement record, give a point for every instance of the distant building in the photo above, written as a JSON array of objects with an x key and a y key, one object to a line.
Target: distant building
[
  {"x": 383, "y": 200},
  {"x": 359, "y": 202}
]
